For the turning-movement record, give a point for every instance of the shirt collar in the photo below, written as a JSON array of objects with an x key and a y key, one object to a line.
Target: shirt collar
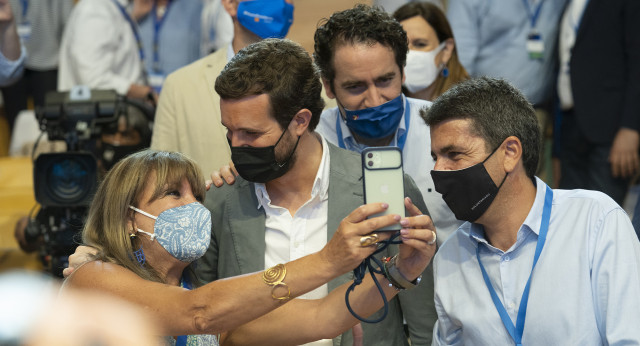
[
  {"x": 230, "y": 53},
  {"x": 351, "y": 143},
  {"x": 531, "y": 222},
  {"x": 320, "y": 189}
]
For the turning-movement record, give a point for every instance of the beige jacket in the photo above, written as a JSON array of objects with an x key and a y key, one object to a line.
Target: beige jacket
[{"x": 188, "y": 115}]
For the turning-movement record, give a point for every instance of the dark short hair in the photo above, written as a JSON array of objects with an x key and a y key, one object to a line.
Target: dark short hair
[
  {"x": 279, "y": 68},
  {"x": 362, "y": 24},
  {"x": 496, "y": 110}
]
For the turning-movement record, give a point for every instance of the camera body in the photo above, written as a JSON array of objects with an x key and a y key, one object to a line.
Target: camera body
[{"x": 64, "y": 183}]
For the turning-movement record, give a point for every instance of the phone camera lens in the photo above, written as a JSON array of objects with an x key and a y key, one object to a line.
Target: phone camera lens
[
  {"x": 370, "y": 163},
  {"x": 370, "y": 155}
]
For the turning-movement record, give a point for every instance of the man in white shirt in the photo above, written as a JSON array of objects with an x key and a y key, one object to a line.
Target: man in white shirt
[
  {"x": 294, "y": 187},
  {"x": 100, "y": 47}
]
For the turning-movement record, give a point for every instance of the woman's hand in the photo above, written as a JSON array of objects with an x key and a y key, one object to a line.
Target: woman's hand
[{"x": 346, "y": 250}]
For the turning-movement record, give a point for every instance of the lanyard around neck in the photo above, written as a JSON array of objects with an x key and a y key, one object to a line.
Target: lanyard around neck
[
  {"x": 401, "y": 139},
  {"x": 534, "y": 14},
  {"x": 157, "y": 25},
  {"x": 516, "y": 331},
  {"x": 136, "y": 34}
]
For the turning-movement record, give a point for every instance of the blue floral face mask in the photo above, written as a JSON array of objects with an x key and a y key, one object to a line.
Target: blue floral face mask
[
  {"x": 266, "y": 18},
  {"x": 184, "y": 231},
  {"x": 376, "y": 122}
]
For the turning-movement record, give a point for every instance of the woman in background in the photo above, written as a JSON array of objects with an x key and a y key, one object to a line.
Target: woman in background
[{"x": 432, "y": 62}]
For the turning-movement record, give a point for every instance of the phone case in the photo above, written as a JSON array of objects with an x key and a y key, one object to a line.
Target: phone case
[{"x": 383, "y": 180}]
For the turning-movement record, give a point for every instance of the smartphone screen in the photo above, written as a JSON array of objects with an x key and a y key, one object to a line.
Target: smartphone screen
[{"x": 383, "y": 180}]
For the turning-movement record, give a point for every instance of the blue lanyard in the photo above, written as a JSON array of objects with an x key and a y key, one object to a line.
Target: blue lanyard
[
  {"x": 516, "y": 332},
  {"x": 25, "y": 7},
  {"x": 134, "y": 28},
  {"x": 401, "y": 140},
  {"x": 157, "y": 25},
  {"x": 533, "y": 15}
]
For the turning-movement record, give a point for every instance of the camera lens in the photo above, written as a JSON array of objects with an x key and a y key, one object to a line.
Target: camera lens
[
  {"x": 65, "y": 179},
  {"x": 370, "y": 163},
  {"x": 68, "y": 179},
  {"x": 370, "y": 155}
]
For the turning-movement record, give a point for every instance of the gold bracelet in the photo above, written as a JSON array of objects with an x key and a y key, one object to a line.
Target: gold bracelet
[{"x": 274, "y": 276}]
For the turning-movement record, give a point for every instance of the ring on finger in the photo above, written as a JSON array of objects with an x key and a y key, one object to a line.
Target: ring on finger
[
  {"x": 368, "y": 240},
  {"x": 433, "y": 238}
]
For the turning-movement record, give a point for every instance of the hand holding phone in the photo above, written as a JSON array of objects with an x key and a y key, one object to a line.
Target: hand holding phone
[{"x": 384, "y": 180}]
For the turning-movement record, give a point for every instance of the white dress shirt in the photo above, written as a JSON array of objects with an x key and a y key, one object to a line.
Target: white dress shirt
[
  {"x": 289, "y": 237},
  {"x": 99, "y": 49}
]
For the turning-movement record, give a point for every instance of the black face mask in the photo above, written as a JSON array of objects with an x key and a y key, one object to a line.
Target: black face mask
[
  {"x": 110, "y": 154},
  {"x": 259, "y": 165},
  {"x": 468, "y": 192}
]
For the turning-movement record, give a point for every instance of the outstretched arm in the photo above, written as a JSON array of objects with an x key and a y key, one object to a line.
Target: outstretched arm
[
  {"x": 302, "y": 321},
  {"x": 226, "y": 304}
]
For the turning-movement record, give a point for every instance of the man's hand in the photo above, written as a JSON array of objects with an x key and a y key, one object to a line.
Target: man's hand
[
  {"x": 6, "y": 15},
  {"x": 226, "y": 174},
  {"x": 82, "y": 255},
  {"x": 624, "y": 153},
  {"x": 416, "y": 251},
  {"x": 138, "y": 91},
  {"x": 345, "y": 250},
  {"x": 20, "y": 236}
]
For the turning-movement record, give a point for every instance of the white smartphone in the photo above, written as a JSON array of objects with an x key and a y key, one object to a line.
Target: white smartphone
[{"x": 383, "y": 180}]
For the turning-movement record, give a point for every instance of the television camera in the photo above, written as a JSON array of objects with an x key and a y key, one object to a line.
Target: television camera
[{"x": 64, "y": 183}]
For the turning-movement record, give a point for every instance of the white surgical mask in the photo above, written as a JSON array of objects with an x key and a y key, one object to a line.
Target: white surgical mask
[{"x": 421, "y": 69}]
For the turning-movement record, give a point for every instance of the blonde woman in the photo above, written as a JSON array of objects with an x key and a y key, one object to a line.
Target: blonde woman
[{"x": 147, "y": 225}]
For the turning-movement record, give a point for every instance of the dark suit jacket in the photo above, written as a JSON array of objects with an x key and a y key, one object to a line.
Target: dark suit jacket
[
  {"x": 605, "y": 69},
  {"x": 238, "y": 247}
]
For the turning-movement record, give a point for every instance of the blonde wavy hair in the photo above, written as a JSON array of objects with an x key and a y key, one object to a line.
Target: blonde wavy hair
[{"x": 107, "y": 227}]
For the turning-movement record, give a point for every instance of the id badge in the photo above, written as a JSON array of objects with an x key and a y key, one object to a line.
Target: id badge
[
  {"x": 24, "y": 31},
  {"x": 535, "y": 46},
  {"x": 155, "y": 81}
]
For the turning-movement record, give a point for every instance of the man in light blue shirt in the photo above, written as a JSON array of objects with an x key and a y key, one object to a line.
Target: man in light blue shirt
[
  {"x": 584, "y": 288},
  {"x": 514, "y": 40}
]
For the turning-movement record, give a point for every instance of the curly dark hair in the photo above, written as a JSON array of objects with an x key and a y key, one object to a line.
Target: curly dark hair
[
  {"x": 361, "y": 24},
  {"x": 279, "y": 68}
]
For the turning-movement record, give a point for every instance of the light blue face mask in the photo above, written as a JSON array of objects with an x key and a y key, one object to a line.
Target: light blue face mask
[
  {"x": 266, "y": 18},
  {"x": 184, "y": 231}
]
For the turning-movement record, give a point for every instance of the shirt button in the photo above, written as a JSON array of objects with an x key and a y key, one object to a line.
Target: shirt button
[
  {"x": 506, "y": 258},
  {"x": 512, "y": 305},
  {"x": 296, "y": 244}
]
